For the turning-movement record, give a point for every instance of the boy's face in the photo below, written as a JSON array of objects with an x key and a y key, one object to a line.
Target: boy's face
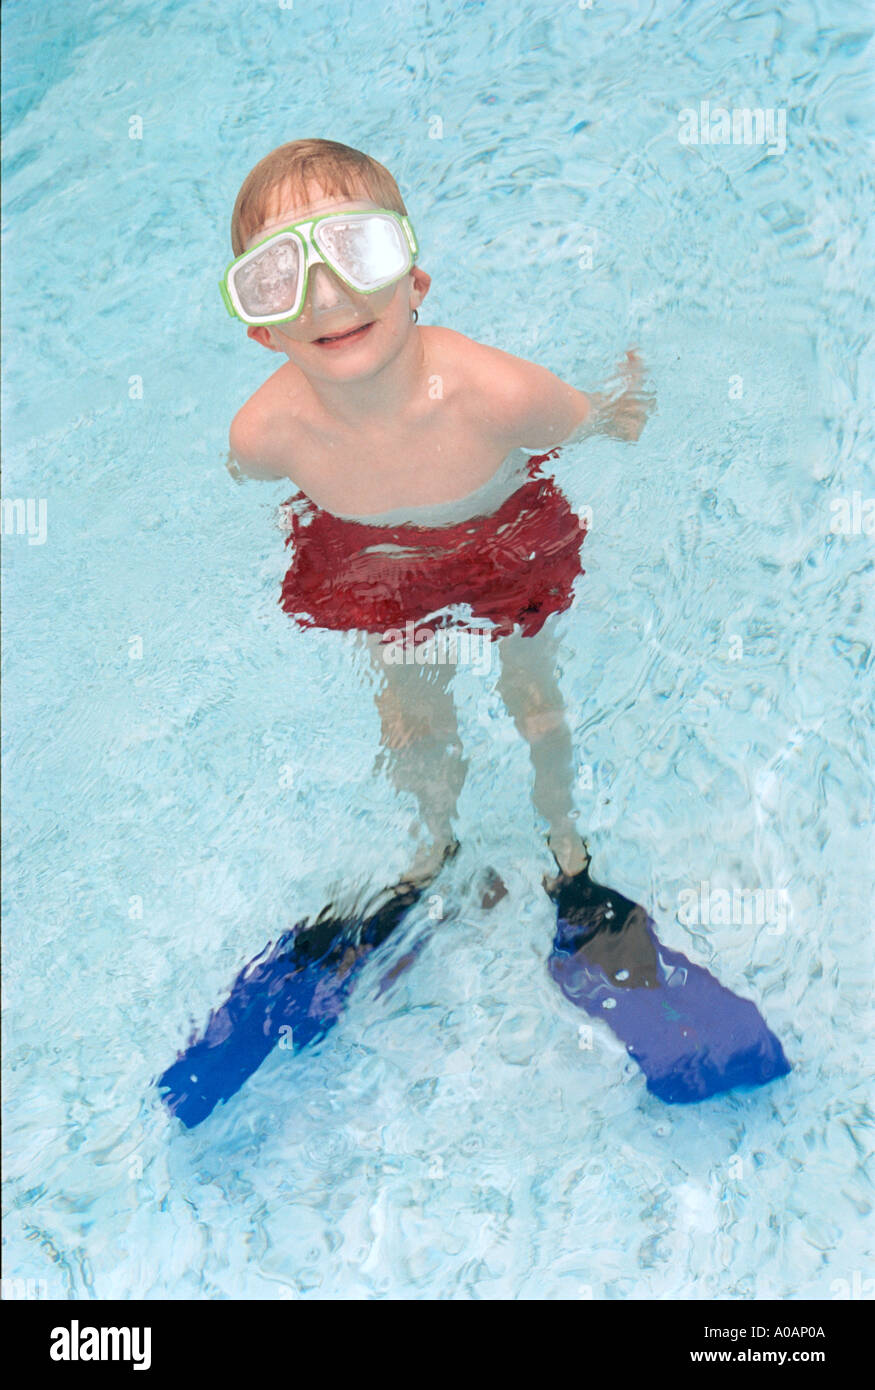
[{"x": 340, "y": 335}]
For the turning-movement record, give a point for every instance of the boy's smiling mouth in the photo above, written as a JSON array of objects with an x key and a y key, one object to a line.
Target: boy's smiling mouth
[{"x": 350, "y": 335}]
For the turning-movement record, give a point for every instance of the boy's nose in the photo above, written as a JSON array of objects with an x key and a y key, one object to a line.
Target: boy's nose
[{"x": 326, "y": 293}]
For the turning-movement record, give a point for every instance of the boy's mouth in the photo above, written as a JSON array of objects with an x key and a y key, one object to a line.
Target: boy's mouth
[{"x": 351, "y": 335}]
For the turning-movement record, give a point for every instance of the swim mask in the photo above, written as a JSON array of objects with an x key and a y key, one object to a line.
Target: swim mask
[{"x": 365, "y": 250}]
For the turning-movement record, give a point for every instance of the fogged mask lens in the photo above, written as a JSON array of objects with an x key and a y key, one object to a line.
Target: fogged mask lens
[
  {"x": 368, "y": 251},
  {"x": 268, "y": 282}
]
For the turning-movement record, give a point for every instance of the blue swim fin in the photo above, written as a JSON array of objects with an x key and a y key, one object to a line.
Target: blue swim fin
[
  {"x": 690, "y": 1035},
  {"x": 301, "y": 983}
]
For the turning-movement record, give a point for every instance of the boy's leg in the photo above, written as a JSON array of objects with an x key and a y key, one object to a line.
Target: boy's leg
[
  {"x": 691, "y": 1037},
  {"x": 530, "y": 691},
  {"x": 420, "y": 747}
]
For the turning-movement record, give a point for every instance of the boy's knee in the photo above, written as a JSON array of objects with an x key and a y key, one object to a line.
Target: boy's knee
[
  {"x": 405, "y": 725},
  {"x": 537, "y": 722}
]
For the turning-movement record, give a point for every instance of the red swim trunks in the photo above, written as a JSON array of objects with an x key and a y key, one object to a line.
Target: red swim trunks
[{"x": 515, "y": 567}]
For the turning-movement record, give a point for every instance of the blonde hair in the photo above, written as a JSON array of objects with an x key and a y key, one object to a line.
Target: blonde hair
[{"x": 290, "y": 169}]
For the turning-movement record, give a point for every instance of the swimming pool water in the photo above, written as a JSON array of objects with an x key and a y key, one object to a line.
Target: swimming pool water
[{"x": 186, "y": 774}]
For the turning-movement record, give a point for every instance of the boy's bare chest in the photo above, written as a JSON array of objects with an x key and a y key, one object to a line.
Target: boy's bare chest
[{"x": 372, "y": 473}]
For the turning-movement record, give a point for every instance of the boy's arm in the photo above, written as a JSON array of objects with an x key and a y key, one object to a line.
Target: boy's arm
[
  {"x": 543, "y": 411},
  {"x": 252, "y": 446},
  {"x": 533, "y": 407}
]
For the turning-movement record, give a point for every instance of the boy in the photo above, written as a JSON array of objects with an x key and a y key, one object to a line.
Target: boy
[
  {"x": 418, "y": 493},
  {"x": 376, "y": 419}
]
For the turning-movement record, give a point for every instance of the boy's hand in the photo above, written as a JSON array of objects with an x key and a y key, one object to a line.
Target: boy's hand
[{"x": 623, "y": 408}]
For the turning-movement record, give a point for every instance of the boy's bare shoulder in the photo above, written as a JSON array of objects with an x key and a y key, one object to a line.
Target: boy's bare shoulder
[
  {"x": 498, "y": 377},
  {"x": 519, "y": 398},
  {"x": 261, "y": 430},
  {"x": 495, "y": 371}
]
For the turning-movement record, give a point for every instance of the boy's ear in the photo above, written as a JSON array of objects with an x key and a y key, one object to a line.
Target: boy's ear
[
  {"x": 260, "y": 333},
  {"x": 421, "y": 284}
]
